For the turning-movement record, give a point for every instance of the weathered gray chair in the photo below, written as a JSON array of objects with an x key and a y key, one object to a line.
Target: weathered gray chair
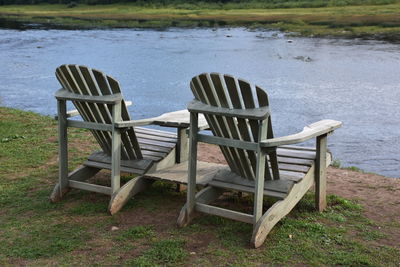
[
  {"x": 141, "y": 151},
  {"x": 258, "y": 162}
]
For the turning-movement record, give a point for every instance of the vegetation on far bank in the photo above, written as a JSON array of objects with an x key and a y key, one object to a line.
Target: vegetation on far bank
[
  {"x": 376, "y": 21},
  {"x": 78, "y": 231},
  {"x": 196, "y": 4}
]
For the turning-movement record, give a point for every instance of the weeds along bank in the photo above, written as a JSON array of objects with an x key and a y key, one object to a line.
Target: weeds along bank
[
  {"x": 227, "y": 4},
  {"x": 376, "y": 19}
]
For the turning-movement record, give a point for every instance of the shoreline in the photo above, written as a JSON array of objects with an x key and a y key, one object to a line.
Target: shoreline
[{"x": 379, "y": 22}]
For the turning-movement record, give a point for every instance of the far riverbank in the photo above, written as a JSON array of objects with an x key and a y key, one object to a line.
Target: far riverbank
[{"x": 380, "y": 22}]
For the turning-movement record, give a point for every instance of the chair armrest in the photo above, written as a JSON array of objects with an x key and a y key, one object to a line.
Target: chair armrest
[
  {"x": 249, "y": 113},
  {"x": 71, "y": 113},
  {"x": 316, "y": 129},
  {"x": 74, "y": 112},
  {"x": 63, "y": 94},
  {"x": 134, "y": 123},
  {"x": 175, "y": 119}
]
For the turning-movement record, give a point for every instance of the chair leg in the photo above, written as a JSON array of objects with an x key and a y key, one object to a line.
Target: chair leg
[
  {"x": 205, "y": 196},
  {"x": 280, "y": 209},
  {"x": 320, "y": 173},
  {"x": 188, "y": 209},
  {"x": 127, "y": 191},
  {"x": 62, "y": 149},
  {"x": 81, "y": 174}
]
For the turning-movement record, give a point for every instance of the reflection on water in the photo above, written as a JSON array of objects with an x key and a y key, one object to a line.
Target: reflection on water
[{"x": 357, "y": 82}]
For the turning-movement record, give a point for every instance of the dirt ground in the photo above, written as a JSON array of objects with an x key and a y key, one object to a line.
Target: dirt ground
[{"x": 379, "y": 195}]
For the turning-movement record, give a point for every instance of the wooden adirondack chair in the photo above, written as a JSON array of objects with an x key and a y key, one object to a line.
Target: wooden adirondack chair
[
  {"x": 258, "y": 162},
  {"x": 141, "y": 151}
]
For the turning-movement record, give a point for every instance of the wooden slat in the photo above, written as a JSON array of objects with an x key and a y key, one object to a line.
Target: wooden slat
[
  {"x": 102, "y": 157},
  {"x": 89, "y": 82},
  {"x": 130, "y": 148},
  {"x": 289, "y": 175},
  {"x": 89, "y": 125},
  {"x": 250, "y": 113},
  {"x": 226, "y": 176},
  {"x": 130, "y": 133},
  {"x": 63, "y": 77},
  {"x": 66, "y": 95},
  {"x": 262, "y": 97},
  {"x": 235, "y": 143},
  {"x": 316, "y": 129},
  {"x": 157, "y": 143},
  {"x": 295, "y": 153},
  {"x": 248, "y": 101},
  {"x": 247, "y": 189},
  {"x": 220, "y": 123},
  {"x": 178, "y": 119},
  {"x": 305, "y": 148},
  {"x": 104, "y": 114},
  {"x": 296, "y": 161},
  {"x": 230, "y": 214},
  {"x": 107, "y": 166},
  {"x": 106, "y": 85},
  {"x": 179, "y": 172},
  {"x": 72, "y": 75},
  {"x": 85, "y": 90},
  {"x": 157, "y": 138},
  {"x": 248, "y": 158},
  {"x": 154, "y": 148},
  {"x": 146, "y": 141},
  {"x": 197, "y": 90},
  {"x": 152, "y": 158},
  {"x": 293, "y": 167},
  {"x": 263, "y": 101},
  {"x": 252, "y": 133},
  {"x": 222, "y": 93},
  {"x": 199, "y": 93},
  {"x": 155, "y": 132},
  {"x": 161, "y": 155},
  {"x": 90, "y": 187}
]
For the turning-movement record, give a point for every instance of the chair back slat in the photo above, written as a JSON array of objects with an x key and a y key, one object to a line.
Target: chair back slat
[
  {"x": 130, "y": 135},
  {"x": 199, "y": 93},
  {"x": 99, "y": 86},
  {"x": 236, "y": 125},
  {"x": 66, "y": 82},
  {"x": 223, "y": 101},
  {"x": 85, "y": 81},
  {"x": 242, "y": 124},
  {"x": 273, "y": 157},
  {"x": 91, "y": 88},
  {"x": 228, "y": 92}
]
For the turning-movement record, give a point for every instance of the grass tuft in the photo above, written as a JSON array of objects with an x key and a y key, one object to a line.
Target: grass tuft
[
  {"x": 137, "y": 232},
  {"x": 169, "y": 252}
]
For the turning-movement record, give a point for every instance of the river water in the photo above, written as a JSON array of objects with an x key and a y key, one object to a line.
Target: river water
[{"x": 354, "y": 81}]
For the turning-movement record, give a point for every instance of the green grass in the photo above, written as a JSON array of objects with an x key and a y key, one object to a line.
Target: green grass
[
  {"x": 162, "y": 253},
  {"x": 137, "y": 232},
  {"x": 78, "y": 231},
  {"x": 378, "y": 19}
]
